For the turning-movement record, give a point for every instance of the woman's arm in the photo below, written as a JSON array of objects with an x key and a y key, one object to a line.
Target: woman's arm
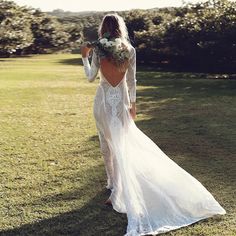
[
  {"x": 131, "y": 82},
  {"x": 91, "y": 71}
]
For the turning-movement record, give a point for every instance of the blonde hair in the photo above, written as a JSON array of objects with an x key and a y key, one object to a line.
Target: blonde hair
[{"x": 115, "y": 25}]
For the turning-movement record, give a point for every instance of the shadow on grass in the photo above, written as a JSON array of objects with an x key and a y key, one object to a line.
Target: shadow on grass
[
  {"x": 7, "y": 59},
  {"x": 94, "y": 218},
  {"x": 71, "y": 61},
  {"x": 86, "y": 150},
  {"x": 230, "y": 70},
  {"x": 191, "y": 120}
]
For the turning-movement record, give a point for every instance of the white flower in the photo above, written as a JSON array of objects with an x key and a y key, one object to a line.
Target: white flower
[
  {"x": 113, "y": 48},
  {"x": 110, "y": 44},
  {"x": 118, "y": 41},
  {"x": 103, "y": 40}
]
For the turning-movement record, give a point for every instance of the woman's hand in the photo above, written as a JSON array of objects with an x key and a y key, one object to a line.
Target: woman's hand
[
  {"x": 132, "y": 110},
  {"x": 85, "y": 50}
]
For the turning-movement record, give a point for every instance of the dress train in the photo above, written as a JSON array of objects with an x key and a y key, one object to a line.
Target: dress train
[{"x": 156, "y": 193}]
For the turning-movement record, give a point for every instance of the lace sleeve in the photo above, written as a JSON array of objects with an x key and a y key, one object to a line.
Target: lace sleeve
[
  {"x": 131, "y": 76},
  {"x": 91, "y": 71}
]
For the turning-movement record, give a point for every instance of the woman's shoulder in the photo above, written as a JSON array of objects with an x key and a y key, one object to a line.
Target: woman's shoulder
[
  {"x": 132, "y": 50},
  {"x": 131, "y": 47}
]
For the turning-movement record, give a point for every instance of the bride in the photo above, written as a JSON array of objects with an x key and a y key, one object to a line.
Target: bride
[{"x": 156, "y": 194}]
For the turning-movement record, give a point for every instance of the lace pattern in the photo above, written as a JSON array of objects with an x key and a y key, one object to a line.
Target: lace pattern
[{"x": 113, "y": 97}]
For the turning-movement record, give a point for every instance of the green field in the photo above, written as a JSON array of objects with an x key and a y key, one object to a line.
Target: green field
[{"x": 52, "y": 176}]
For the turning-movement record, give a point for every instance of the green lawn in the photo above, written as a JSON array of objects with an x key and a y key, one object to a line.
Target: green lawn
[{"x": 52, "y": 174}]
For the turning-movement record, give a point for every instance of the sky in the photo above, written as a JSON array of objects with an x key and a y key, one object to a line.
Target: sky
[{"x": 99, "y": 5}]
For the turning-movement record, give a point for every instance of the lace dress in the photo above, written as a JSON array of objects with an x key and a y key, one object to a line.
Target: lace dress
[{"x": 156, "y": 194}]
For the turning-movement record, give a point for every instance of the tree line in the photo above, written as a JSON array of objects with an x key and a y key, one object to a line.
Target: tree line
[
  {"x": 26, "y": 30},
  {"x": 201, "y": 35}
]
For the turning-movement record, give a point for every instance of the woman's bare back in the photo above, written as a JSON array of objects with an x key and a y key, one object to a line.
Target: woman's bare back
[{"x": 111, "y": 72}]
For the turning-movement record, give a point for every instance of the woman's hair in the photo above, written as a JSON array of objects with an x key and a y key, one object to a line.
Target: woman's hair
[{"x": 115, "y": 26}]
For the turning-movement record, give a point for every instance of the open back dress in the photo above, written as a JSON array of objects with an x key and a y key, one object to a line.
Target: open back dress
[{"x": 156, "y": 193}]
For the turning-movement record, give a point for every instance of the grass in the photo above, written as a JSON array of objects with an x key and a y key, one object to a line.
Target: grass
[{"x": 52, "y": 174}]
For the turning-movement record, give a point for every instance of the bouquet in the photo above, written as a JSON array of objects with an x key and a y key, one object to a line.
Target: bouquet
[{"x": 112, "y": 48}]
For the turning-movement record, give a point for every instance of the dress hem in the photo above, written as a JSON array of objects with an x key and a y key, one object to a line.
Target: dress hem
[{"x": 162, "y": 231}]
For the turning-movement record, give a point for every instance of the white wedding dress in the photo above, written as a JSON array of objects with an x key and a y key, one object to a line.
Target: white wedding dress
[{"x": 156, "y": 194}]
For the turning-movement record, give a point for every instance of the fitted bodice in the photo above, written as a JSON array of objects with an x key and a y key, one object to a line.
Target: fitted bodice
[{"x": 129, "y": 76}]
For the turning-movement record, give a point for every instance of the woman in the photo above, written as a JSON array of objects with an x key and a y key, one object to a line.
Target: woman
[{"x": 156, "y": 194}]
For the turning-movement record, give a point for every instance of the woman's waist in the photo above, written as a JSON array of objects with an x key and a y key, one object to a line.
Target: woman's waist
[{"x": 113, "y": 83}]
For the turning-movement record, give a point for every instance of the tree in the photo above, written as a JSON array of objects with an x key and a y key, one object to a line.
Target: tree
[
  {"x": 49, "y": 35},
  {"x": 15, "y": 32}
]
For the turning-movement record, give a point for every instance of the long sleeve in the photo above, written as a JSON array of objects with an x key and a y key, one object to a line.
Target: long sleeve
[
  {"x": 91, "y": 71},
  {"x": 131, "y": 76}
]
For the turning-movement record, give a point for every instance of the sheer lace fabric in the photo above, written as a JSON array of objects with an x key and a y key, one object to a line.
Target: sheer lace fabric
[{"x": 156, "y": 194}]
